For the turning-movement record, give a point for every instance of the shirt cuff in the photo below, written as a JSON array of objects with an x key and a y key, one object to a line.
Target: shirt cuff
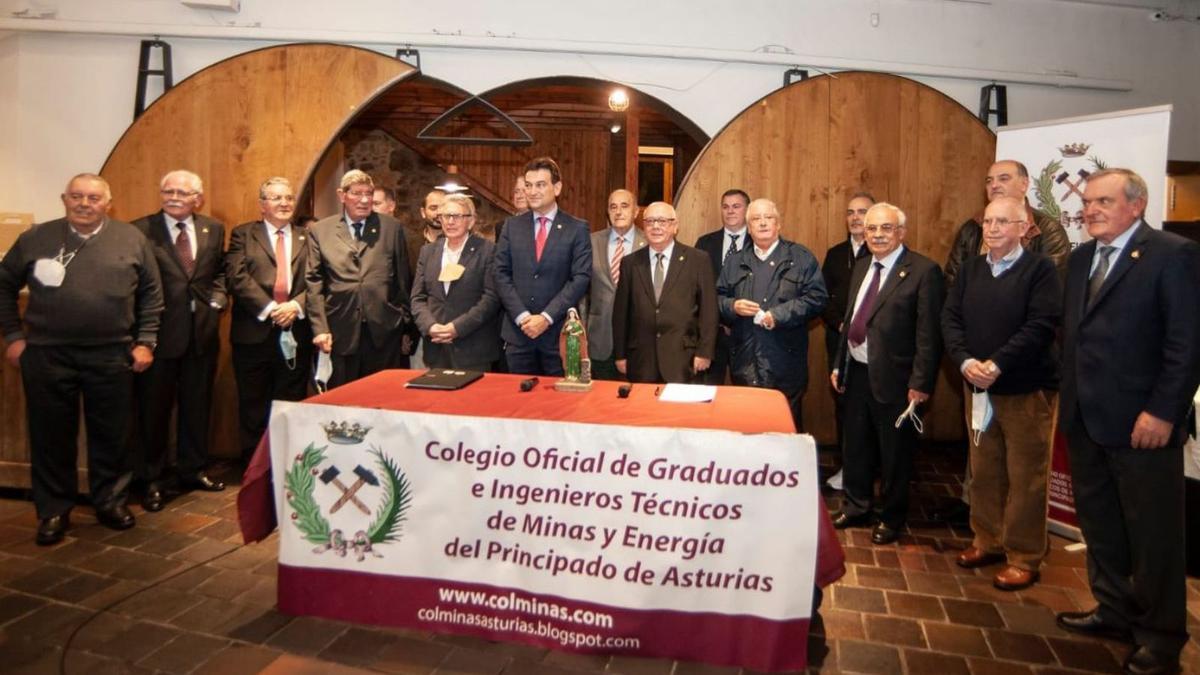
[
  {"x": 521, "y": 318},
  {"x": 966, "y": 364},
  {"x": 758, "y": 317},
  {"x": 549, "y": 319},
  {"x": 299, "y": 309},
  {"x": 266, "y": 313}
]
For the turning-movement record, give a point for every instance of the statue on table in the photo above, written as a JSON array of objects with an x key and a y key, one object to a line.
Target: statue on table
[{"x": 572, "y": 346}]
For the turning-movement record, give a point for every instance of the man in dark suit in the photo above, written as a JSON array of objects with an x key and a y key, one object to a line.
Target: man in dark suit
[
  {"x": 189, "y": 249},
  {"x": 609, "y": 247},
  {"x": 1131, "y": 364},
  {"x": 664, "y": 316},
  {"x": 836, "y": 270},
  {"x": 719, "y": 245},
  {"x": 887, "y": 363},
  {"x": 358, "y": 280},
  {"x": 543, "y": 266},
  {"x": 272, "y": 339},
  {"x": 768, "y": 292},
  {"x": 454, "y": 299}
]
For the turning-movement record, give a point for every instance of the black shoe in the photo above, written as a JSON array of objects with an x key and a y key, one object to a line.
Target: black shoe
[
  {"x": 884, "y": 534},
  {"x": 842, "y": 520},
  {"x": 1091, "y": 623},
  {"x": 201, "y": 481},
  {"x": 115, "y": 517},
  {"x": 1145, "y": 662},
  {"x": 52, "y": 530},
  {"x": 956, "y": 512},
  {"x": 153, "y": 499}
]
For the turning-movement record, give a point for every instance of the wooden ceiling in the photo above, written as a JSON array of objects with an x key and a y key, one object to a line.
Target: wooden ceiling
[{"x": 560, "y": 103}]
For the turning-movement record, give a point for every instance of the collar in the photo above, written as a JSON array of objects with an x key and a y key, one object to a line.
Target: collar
[
  {"x": 350, "y": 223},
  {"x": 90, "y": 234},
  {"x": 666, "y": 252},
  {"x": 763, "y": 255},
  {"x": 272, "y": 228},
  {"x": 613, "y": 234},
  {"x": 890, "y": 261},
  {"x": 549, "y": 215},
  {"x": 1009, "y": 258},
  {"x": 1122, "y": 239},
  {"x": 172, "y": 223},
  {"x": 735, "y": 233}
]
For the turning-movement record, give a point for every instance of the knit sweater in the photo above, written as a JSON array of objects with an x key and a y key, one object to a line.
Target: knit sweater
[
  {"x": 110, "y": 294},
  {"x": 1010, "y": 319}
]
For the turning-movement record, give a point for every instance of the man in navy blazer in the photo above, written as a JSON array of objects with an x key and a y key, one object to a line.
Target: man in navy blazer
[
  {"x": 543, "y": 267},
  {"x": 1131, "y": 364}
]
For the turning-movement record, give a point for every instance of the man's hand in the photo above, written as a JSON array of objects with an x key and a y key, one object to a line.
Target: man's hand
[
  {"x": 324, "y": 342},
  {"x": 833, "y": 382},
  {"x": 143, "y": 356},
  {"x": 442, "y": 333},
  {"x": 700, "y": 364},
  {"x": 1150, "y": 432},
  {"x": 982, "y": 374},
  {"x": 534, "y": 325},
  {"x": 13, "y": 353},
  {"x": 621, "y": 364},
  {"x": 918, "y": 396},
  {"x": 284, "y": 314},
  {"x": 745, "y": 307},
  {"x": 768, "y": 321}
]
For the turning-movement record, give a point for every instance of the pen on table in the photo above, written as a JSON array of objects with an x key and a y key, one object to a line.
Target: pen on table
[{"x": 657, "y": 391}]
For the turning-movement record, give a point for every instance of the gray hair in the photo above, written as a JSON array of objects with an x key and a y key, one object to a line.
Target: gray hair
[
  {"x": 355, "y": 177},
  {"x": 892, "y": 209},
  {"x": 91, "y": 176},
  {"x": 462, "y": 200},
  {"x": 274, "y": 180},
  {"x": 189, "y": 177},
  {"x": 1135, "y": 185}
]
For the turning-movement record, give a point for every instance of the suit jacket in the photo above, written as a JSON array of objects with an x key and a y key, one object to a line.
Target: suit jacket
[
  {"x": 250, "y": 268},
  {"x": 904, "y": 337},
  {"x": 553, "y": 285},
  {"x": 201, "y": 290},
  {"x": 355, "y": 282},
  {"x": 713, "y": 242},
  {"x": 837, "y": 268},
  {"x": 660, "y": 339},
  {"x": 471, "y": 304},
  {"x": 1136, "y": 346},
  {"x": 775, "y": 358},
  {"x": 597, "y": 305}
]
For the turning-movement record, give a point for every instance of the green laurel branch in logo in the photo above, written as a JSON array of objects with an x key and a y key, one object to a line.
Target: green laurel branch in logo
[
  {"x": 1044, "y": 189},
  {"x": 299, "y": 482},
  {"x": 396, "y": 499}
]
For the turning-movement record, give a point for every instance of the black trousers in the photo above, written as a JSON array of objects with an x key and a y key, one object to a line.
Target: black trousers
[
  {"x": 55, "y": 377},
  {"x": 370, "y": 358},
  {"x": 535, "y": 357},
  {"x": 1130, "y": 507},
  {"x": 185, "y": 383},
  {"x": 715, "y": 375},
  {"x": 832, "y": 338},
  {"x": 263, "y": 376},
  {"x": 873, "y": 443}
]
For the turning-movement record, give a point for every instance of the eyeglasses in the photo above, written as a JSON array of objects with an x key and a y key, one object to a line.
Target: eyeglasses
[
  {"x": 451, "y": 217},
  {"x": 183, "y": 194},
  {"x": 361, "y": 195},
  {"x": 655, "y": 222},
  {"x": 886, "y": 228},
  {"x": 1002, "y": 222},
  {"x": 275, "y": 199}
]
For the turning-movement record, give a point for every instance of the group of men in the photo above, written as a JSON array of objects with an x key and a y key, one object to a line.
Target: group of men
[{"x": 125, "y": 317}]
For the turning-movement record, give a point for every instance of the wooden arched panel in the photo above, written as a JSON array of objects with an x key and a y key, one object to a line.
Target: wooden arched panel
[
  {"x": 811, "y": 145},
  {"x": 270, "y": 112}
]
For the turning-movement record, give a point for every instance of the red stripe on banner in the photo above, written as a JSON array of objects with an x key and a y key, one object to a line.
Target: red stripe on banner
[
  {"x": 511, "y": 615},
  {"x": 1061, "y": 495}
]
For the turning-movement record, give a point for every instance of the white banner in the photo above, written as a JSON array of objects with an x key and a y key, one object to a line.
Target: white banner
[
  {"x": 634, "y": 517},
  {"x": 1060, "y": 154}
]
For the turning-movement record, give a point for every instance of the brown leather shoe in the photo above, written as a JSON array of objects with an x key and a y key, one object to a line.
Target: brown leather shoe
[
  {"x": 1013, "y": 578},
  {"x": 977, "y": 557}
]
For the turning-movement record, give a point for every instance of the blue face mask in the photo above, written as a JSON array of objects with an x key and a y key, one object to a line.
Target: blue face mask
[
  {"x": 981, "y": 414},
  {"x": 287, "y": 345},
  {"x": 323, "y": 371}
]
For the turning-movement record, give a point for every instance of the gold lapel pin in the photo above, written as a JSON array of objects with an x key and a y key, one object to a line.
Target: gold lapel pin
[
  {"x": 558, "y": 227},
  {"x": 205, "y": 230},
  {"x": 680, "y": 258},
  {"x": 903, "y": 274},
  {"x": 1135, "y": 254},
  {"x": 772, "y": 263},
  {"x": 301, "y": 237}
]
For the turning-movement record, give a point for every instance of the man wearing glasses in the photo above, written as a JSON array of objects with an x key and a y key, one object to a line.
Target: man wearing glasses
[
  {"x": 887, "y": 364},
  {"x": 768, "y": 292},
  {"x": 270, "y": 334},
  {"x": 189, "y": 248},
  {"x": 664, "y": 316},
  {"x": 358, "y": 280}
]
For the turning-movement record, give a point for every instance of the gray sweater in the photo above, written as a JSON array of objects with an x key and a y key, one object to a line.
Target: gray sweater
[{"x": 111, "y": 292}]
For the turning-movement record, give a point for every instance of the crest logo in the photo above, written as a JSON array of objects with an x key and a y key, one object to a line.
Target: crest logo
[
  {"x": 355, "y": 487},
  {"x": 1059, "y": 187}
]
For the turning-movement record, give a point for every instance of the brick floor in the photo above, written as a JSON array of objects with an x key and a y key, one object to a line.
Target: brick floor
[{"x": 904, "y": 608}]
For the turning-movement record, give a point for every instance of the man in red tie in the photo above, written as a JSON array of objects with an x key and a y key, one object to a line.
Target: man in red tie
[
  {"x": 271, "y": 337},
  {"x": 189, "y": 249},
  {"x": 609, "y": 248},
  {"x": 543, "y": 267}
]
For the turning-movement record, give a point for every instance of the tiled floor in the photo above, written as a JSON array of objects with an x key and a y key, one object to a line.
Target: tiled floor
[{"x": 153, "y": 599}]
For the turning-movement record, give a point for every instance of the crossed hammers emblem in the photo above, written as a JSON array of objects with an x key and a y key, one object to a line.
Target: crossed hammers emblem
[
  {"x": 1064, "y": 178},
  {"x": 365, "y": 477}
]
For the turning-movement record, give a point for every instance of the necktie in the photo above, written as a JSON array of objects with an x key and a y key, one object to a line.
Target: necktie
[
  {"x": 614, "y": 265},
  {"x": 858, "y": 325},
  {"x": 183, "y": 246},
  {"x": 1097, "y": 279},
  {"x": 733, "y": 248},
  {"x": 358, "y": 231},
  {"x": 658, "y": 276},
  {"x": 541, "y": 236},
  {"x": 280, "y": 293}
]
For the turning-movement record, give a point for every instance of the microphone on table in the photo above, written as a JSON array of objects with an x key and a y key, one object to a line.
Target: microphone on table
[
  {"x": 623, "y": 390},
  {"x": 528, "y": 384}
]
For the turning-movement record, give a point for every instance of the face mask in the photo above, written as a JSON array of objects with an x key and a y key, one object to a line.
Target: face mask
[
  {"x": 910, "y": 413},
  {"x": 287, "y": 345},
  {"x": 981, "y": 414},
  {"x": 324, "y": 370}
]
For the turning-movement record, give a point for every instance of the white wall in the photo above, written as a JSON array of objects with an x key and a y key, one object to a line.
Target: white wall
[{"x": 73, "y": 91}]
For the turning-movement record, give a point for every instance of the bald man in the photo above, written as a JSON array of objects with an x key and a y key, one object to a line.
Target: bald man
[{"x": 609, "y": 247}]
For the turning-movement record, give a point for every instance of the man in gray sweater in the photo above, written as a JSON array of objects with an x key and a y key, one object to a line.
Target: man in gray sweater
[{"x": 91, "y": 322}]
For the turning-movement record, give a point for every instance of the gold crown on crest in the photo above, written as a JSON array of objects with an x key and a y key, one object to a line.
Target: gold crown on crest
[
  {"x": 1074, "y": 149},
  {"x": 344, "y": 433}
]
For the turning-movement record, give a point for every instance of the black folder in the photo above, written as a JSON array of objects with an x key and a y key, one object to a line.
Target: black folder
[{"x": 446, "y": 380}]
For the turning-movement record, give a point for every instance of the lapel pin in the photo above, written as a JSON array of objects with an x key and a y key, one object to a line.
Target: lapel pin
[
  {"x": 903, "y": 274},
  {"x": 204, "y": 231},
  {"x": 772, "y": 263},
  {"x": 558, "y": 227},
  {"x": 680, "y": 258},
  {"x": 301, "y": 237},
  {"x": 1135, "y": 254}
]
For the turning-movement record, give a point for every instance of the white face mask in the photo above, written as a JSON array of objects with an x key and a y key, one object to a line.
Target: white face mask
[
  {"x": 910, "y": 413},
  {"x": 324, "y": 370},
  {"x": 981, "y": 414},
  {"x": 287, "y": 345}
]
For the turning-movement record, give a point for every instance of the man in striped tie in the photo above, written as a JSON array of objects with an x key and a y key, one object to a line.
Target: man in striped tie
[{"x": 609, "y": 247}]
